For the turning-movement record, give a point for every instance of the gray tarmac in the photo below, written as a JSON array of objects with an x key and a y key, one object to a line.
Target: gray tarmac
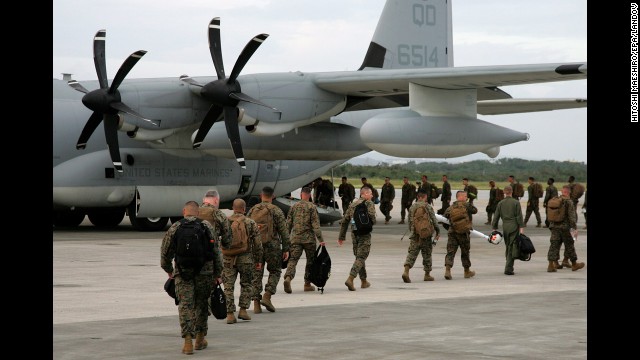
[{"x": 109, "y": 303}]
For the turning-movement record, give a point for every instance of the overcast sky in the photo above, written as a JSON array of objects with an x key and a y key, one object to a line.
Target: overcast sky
[{"x": 332, "y": 35}]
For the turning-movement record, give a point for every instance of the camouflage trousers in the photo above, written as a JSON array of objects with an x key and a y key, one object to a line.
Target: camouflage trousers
[
  {"x": 272, "y": 255},
  {"x": 361, "y": 248},
  {"x": 454, "y": 241},
  {"x": 193, "y": 309},
  {"x": 404, "y": 207},
  {"x": 385, "y": 209},
  {"x": 533, "y": 205},
  {"x": 295, "y": 254},
  {"x": 558, "y": 237},
  {"x": 231, "y": 267},
  {"x": 416, "y": 246}
]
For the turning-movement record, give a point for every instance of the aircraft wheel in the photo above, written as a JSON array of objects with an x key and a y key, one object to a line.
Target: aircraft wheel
[
  {"x": 148, "y": 224},
  {"x": 106, "y": 217},
  {"x": 69, "y": 218}
]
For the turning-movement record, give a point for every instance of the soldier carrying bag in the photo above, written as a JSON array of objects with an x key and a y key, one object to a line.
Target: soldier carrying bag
[
  {"x": 555, "y": 209},
  {"x": 536, "y": 190},
  {"x": 422, "y": 223},
  {"x": 239, "y": 238},
  {"x": 193, "y": 247},
  {"x": 518, "y": 190},
  {"x": 264, "y": 218},
  {"x": 459, "y": 218},
  {"x": 472, "y": 192},
  {"x": 499, "y": 195},
  {"x": 361, "y": 219}
]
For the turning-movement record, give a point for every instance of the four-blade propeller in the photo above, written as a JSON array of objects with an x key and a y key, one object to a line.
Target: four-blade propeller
[
  {"x": 225, "y": 93},
  {"x": 105, "y": 101}
]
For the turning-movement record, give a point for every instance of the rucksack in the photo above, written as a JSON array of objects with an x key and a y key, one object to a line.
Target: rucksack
[
  {"x": 459, "y": 218},
  {"x": 320, "y": 268},
  {"x": 518, "y": 190},
  {"x": 499, "y": 195},
  {"x": 264, "y": 218},
  {"x": 525, "y": 247},
  {"x": 577, "y": 191},
  {"x": 422, "y": 223},
  {"x": 193, "y": 246},
  {"x": 537, "y": 191},
  {"x": 239, "y": 237},
  {"x": 555, "y": 209},
  {"x": 471, "y": 189},
  {"x": 361, "y": 219},
  {"x": 434, "y": 192}
]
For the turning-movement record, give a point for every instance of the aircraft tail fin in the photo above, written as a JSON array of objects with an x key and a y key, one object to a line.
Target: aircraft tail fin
[{"x": 412, "y": 34}]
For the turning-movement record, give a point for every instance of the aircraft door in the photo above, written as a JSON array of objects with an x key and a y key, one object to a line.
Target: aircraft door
[{"x": 266, "y": 175}]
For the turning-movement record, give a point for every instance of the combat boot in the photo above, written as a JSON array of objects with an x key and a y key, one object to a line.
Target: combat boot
[
  {"x": 565, "y": 263},
  {"x": 308, "y": 286},
  {"x": 428, "y": 277},
  {"x": 365, "y": 284},
  {"x": 447, "y": 272},
  {"x": 539, "y": 225},
  {"x": 401, "y": 221},
  {"x": 557, "y": 264},
  {"x": 256, "y": 307},
  {"x": 201, "y": 342},
  {"x": 551, "y": 267},
  {"x": 188, "y": 345},
  {"x": 266, "y": 301},
  {"x": 287, "y": 284},
  {"x": 231, "y": 319},
  {"x": 468, "y": 273},
  {"x": 242, "y": 314},
  {"x": 405, "y": 274},
  {"x": 576, "y": 265},
  {"x": 349, "y": 283}
]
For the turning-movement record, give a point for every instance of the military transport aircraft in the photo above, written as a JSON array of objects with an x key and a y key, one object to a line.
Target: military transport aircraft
[{"x": 170, "y": 140}]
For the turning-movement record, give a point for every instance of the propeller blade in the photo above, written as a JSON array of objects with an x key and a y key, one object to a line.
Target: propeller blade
[
  {"x": 126, "y": 66},
  {"x": 215, "y": 47},
  {"x": 233, "y": 132},
  {"x": 89, "y": 128},
  {"x": 247, "y": 98},
  {"x": 111, "y": 134},
  {"x": 189, "y": 80},
  {"x": 125, "y": 109},
  {"x": 210, "y": 118},
  {"x": 77, "y": 86},
  {"x": 99, "y": 58},
  {"x": 246, "y": 54}
]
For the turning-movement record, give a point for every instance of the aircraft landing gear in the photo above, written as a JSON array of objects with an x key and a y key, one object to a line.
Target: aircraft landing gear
[
  {"x": 110, "y": 217},
  {"x": 142, "y": 223},
  {"x": 67, "y": 218}
]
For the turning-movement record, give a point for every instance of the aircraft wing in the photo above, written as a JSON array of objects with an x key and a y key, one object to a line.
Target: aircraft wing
[
  {"x": 512, "y": 106},
  {"x": 385, "y": 82}
]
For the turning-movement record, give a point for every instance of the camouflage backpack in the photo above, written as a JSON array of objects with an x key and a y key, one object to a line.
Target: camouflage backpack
[
  {"x": 459, "y": 218},
  {"x": 518, "y": 190},
  {"x": 239, "y": 237},
  {"x": 422, "y": 223},
  {"x": 434, "y": 192},
  {"x": 472, "y": 192},
  {"x": 577, "y": 190},
  {"x": 537, "y": 191},
  {"x": 264, "y": 218},
  {"x": 499, "y": 194},
  {"x": 555, "y": 209}
]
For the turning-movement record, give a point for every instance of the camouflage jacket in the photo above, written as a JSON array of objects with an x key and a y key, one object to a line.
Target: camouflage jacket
[
  {"x": 432, "y": 217},
  {"x": 408, "y": 192},
  {"x": 347, "y": 192},
  {"x": 388, "y": 193},
  {"x": 280, "y": 228},
  {"x": 570, "y": 217},
  {"x": 220, "y": 223},
  {"x": 346, "y": 220},
  {"x": 255, "y": 243},
  {"x": 550, "y": 193},
  {"x": 304, "y": 223},
  {"x": 168, "y": 251}
]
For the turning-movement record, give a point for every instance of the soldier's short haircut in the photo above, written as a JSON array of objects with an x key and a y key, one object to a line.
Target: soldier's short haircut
[
  {"x": 531, "y": 178},
  {"x": 459, "y": 192},
  {"x": 386, "y": 177},
  {"x": 571, "y": 178},
  {"x": 363, "y": 178},
  {"x": 567, "y": 186},
  {"x": 344, "y": 178},
  {"x": 239, "y": 204},
  {"x": 405, "y": 177},
  {"x": 267, "y": 190},
  {"x": 212, "y": 194},
  {"x": 552, "y": 180},
  {"x": 508, "y": 190},
  {"x": 465, "y": 179},
  {"x": 492, "y": 183},
  {"x": 306, "y": 189},
  {"x": 365, "y": 189},
  {"x": 191, "y": 207},
  {"x": 422, "y": 192},
  {"x": 511, "y": 176}
]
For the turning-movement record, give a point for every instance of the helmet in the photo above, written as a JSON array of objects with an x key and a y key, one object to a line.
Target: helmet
[{"x": 495, "y": 237}]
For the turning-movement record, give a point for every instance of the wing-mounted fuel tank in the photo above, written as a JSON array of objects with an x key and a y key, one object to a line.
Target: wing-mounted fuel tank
[{"x": 406, "y": 133}]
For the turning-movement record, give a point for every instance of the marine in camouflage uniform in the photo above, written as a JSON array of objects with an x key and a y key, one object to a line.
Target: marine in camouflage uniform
[
  {"x": 408, "y": 195},
  {"x": 510, "y": 211},
  {"x": 209, "y": 211},
  {"x": 533, "y": 204},
  {"x": 561, "y": 234},
  {"x": 273, "y": 253},
  {"x": 361, "y": 243},
  {"x": 426, "y": 186},
  {"x": 446, "y": 195},
  {"x": 491, "y": 206},
  {"x": 456, "y": 240},
  {"x": 374, "y": 191},
  {"x": 243, "y": 264},
  {"x": 387, "y": 195},
  {"x": 418, "y": 245},
  {"x": 347, "y": 193},
  {"x": 192, "y": 294},
  {"x": 550, "y": 192},
  {"x": 304, "y": 222}
]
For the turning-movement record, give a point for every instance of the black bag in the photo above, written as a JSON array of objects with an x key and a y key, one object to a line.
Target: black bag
[
  {"x": 193, "y": 247},
  {"x": 525, "y": 247},
  {"x": 320, "y": 268},
  {"x": 170, "y": 288},
  {"x": 285, "y": 263},
  {"x": 218, "y": 303},
  {"x": 361, "y": 218}
]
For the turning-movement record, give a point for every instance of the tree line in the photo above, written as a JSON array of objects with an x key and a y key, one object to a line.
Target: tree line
[{"x": 477, "y": 170}]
